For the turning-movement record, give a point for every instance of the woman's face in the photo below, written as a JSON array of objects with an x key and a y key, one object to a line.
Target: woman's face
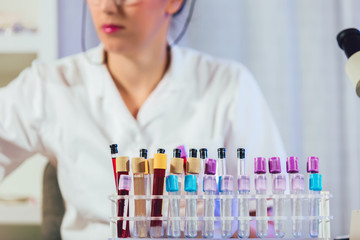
[{"x": 133, "y": 25}]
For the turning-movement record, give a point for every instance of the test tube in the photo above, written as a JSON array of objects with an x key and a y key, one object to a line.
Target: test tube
[
  {"x": 297, "y": 186},
  {"x": 141, "y": 180},
  {"x": 278, "y": 189},
  {"x": 114, "y": 155},
  {"x": 261, "y": 188},
  {"x": 243, "y": 206},
  {"x": 315, "y": 186},
  {"x": 243, "y": 190},
  {"x": 221, "y": 165},
  {"x": 227, "y": 185},
  {"x": 172, "y": 187},
  {"x": 209, "y": 189},
  {"x": 160, "y": 165},
  {"x": 124, "y": 189},
  {"x": 203, "y": 156},
  {"x": 122, "y": 169},
  {"x": 241, "y": 161},
  {"x": 191, "y": 206}
]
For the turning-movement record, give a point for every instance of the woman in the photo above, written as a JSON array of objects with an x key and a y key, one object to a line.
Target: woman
[{"x": 134, "y": 90}]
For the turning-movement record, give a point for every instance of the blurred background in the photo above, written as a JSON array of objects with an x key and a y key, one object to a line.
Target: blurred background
[{"x": 290, "y": 47}]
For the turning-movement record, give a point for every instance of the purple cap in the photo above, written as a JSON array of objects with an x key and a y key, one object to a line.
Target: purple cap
[
  {"x": 260, "y": 165},
  {"x": 244, "y": 183},
  {"x": 210, "y": 166},
  {"x": 274, "y": 165},
  {"x": 125, "y": 182},
  {"x": 297, "y": 182},
  {"x": 210, "y": 183},
  {"x": 279, "y": 183},
  {"x": 227, "y": 183},
  {"x": 260, "y": 183},
  {"x": 292, "y": 165},
  {"x": 312, "y": 165}
]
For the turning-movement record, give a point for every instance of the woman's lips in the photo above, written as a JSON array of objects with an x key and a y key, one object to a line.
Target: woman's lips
[{"x": 111, "y": 28}]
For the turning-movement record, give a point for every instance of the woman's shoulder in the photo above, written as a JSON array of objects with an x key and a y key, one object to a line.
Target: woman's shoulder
[
  {"x": 211, "y": 71},
  {"x": 69, "y": 70}
]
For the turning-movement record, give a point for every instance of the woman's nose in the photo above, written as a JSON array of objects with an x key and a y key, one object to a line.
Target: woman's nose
[{"x": 109, "y": 6}]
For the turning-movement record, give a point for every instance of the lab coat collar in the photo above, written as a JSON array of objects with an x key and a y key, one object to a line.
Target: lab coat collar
[{"x": 173, "y": 81}]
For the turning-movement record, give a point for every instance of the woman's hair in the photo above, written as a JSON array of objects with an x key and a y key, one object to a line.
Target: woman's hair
[{"x": 178, "y": 21}]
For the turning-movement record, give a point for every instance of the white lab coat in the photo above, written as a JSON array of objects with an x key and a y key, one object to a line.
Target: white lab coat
[{"x": 71, "y": 111}]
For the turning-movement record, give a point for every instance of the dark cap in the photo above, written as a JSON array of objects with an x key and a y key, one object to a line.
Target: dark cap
[
  {"x": 203, "y": 153},
  {"x": 114, "y": 148},
  {"x": 349, "y": 41},
  {"x": 193, "y": 153},
  {"x": 221, "y": 153},
  {"x": 143, "y": 153},
  {"x": 161, "y": 150},
  {"x": 241, "y": 153},
  {"x": 177, "y": 153}
]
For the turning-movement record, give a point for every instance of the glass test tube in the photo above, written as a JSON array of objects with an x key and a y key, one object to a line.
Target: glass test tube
[
  {"x": 122, "y": 169},
  {"x": 114, "y": 155},
  {"x": 243, "y": 190},
  {"x": 203, "y": 157},
  {"x": 124, "y": 189},
  {"x": 210, "y": 187},
  {"x": 221, "y": 165},
  {"x": 278, "y": 188},
  {"x": 315, "y": 187},
  {"x": 160, "y": 165},
  {"x": 141, "y": 180},
  {"x": 243, "y": 206},
  {"x": 261, "y": 188},
  {"x": 191, "y": 206},
  {"x": 297, "y": 186},
  {"x": 227, "y": 185},
  {"x": 173, "y": 187}
]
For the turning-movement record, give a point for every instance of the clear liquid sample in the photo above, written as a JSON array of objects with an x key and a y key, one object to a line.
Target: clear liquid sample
[
  {"x": 314, "y": 212},
  {"x": 191, "y": 211},
  {"x": 279, "y": 224},
  {"x": 174, "y": 229},
  {"x": 226, "y": 209},
  {"x": 261, "y": 211},
  {"x": 243, "y": 211},
  {"x": 297, "y": 186},
  {"x": 208, "y": 226}
]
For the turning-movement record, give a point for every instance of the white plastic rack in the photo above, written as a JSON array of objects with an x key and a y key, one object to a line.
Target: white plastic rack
[{"x": 323, "y": 217}]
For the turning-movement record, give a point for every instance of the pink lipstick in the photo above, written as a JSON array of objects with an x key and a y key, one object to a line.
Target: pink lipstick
[{"x": 111, "y": 28}]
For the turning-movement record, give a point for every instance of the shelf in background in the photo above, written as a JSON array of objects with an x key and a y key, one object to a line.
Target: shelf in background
[{"x": 21, "y": 43}]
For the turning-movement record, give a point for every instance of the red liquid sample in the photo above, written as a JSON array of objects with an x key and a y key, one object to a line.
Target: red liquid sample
[
  {"x": 122, "y": 233},
  {"x": 158, "y": 189},
  {"x": 114, "y": 167}
]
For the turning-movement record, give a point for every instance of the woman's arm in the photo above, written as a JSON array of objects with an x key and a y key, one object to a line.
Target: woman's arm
[{"x": 21, "y": 116}]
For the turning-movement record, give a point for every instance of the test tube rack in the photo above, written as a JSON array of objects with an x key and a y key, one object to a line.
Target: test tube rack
[{"x": 324, "y": 218}]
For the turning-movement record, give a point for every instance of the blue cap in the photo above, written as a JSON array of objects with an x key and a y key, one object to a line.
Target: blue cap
[
  {"x": 190, "y": 183},
  {"x": 172, "y": 184},
  {"x": 315, "y": 182}
]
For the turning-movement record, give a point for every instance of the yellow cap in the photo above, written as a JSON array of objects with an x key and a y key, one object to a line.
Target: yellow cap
[
  {"x": 193, "y": 165},
  {"x": 177, "y": 165},
  {"x": 122, "y": 164},
  {"x": 160, "y": 161},
  {"x": 151, "y": 165},
  {"x": 139, "y": 165}
]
